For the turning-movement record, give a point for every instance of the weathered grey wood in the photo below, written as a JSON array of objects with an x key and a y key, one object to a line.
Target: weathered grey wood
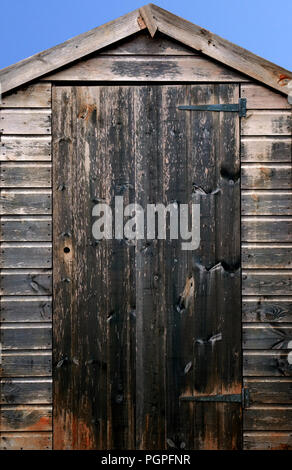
[
  {"x": 266, "y": 229},
  {"x": 34, "y": 96},
  {"x": 26, "y": 229},
  {"x": 269, "y": 390},
  {"x": 71, "y": 50},
  {"x": 26, "y": 364},
  {"x": 270, "y": 256},
  {"x": 14, "y": 148},
  {"x": 26, "y": 418},
  {"x": 267, "y": 418},
  {"x": 267, "y": 309},
  {"x": 26, "y": 391},
  {"x": 26, "y": 121},
  {"x": 260, "y": 97},
  {"x": 267, "y": 440},
  {"x": 150, "y": 69},
  {"x": 266, "y": 149},
  {"x": 25, "y": 175},
  {"x": 266, "y": 123},
  {"x": 266, "y": 202},
  {"x": 26, "y": 255},
  {"x": 268, "y": 282},
  {"x": 25, "y": 282},
  {"x": 25, "y": 309},
  {"x": 142, "y": 44},
  {"x": 266, "y": 364},
  {"x": 26, "y": 441},
  {"x": 266, "y": 176},
  {"x": 149, "y": 19},
  {"x": 269, "y": 336},
  {"x": 25, "y": 201},
  {"x": 221, "y": 49},
  {"x": 19, "y": 336}
]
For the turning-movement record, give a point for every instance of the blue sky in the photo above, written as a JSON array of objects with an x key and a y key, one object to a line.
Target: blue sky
[{"x": 30, "y": 26}]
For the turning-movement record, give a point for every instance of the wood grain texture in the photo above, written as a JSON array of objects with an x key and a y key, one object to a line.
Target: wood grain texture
[
  {"x": 266, "y": 123},
  {"x": 259, "y": 202},
  {"x": 146, "y": 68},
  {"x": 266, "y": 364},
  {"x": 266, "y": 255},
  {"x": 73, "y": 49},
  {"x": 33, "y": 96},
  {"x": 25, "y": 121},
  {"x": 269, "y": 336},
  {"x": 269, "y": 390},
  {"x": 268, "y": 418},
  {"x": 16, "y": 148},
  {"x": 266, "y": 149},
  {"x": 260, "y": 97},
  {"x": 26, "y": 282},
  {"x": 26, "y": 441},
  {"x": 26, "y": 364},
  {"x": 266, "y": 282},
  {"x": 26, "y": 418},
  {"x": 267, "y": 440},
  {"x": 26, "y": 255},
  {"x": 25, "y": 309},
  {"x": 26, "y": 229},
  {"x": 19, "y": 336},
  {"x": 267, "y": 309},
  {"x": 25, "y": 201},
  {"x": 31, "y": 391},
  {"x": 266, "y": 229},
  {"x": 25, "y": 175},
  {"x": 266, "y": 176}
]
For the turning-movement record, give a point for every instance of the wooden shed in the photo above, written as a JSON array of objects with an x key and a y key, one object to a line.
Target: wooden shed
[{"x": 153, "y": 347}]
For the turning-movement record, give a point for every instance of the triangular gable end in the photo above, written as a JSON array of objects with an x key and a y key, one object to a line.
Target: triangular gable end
[{"x": 154, "y": 19}]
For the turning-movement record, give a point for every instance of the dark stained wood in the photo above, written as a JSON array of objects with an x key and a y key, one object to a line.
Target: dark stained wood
[
  {"x": 266, "y": 282},
  {"x": 26, "y": 390},
  {"x": 269, "y": 390},
  {"x": 26, "y": 228},
  {"x": 22, "y": 309},
  {"x": 26, "y": 441},
  {"x": 267, "y": 309},
  {"x": 21, "y": 175},
  {"x": 268, "y": 418},
  {"x": 26, "y": 364},
  {"x": 26, "y": 255},
  {"x": 267, "y": 440},
  {"x": 266, "y": 229},
  {"x": 26, "y": 282},
  {"x": 269, "y": 336},
  {"x": 26, "y": 418},
  {"x": 259, "y": 255},
  {"x": 266, "y": 202},
  {"x": 37, "y": 336},
  {"x": 266, "y": 364},
  {"x": 25, "y": 201}
]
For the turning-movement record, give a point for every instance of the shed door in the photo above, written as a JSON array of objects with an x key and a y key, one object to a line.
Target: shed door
[{"x": 143, "y": 328}]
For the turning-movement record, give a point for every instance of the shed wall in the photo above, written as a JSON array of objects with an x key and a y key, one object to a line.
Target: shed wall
[{"x": 26, "y": 256}]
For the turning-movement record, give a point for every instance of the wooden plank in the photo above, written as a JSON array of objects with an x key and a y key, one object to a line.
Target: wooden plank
[
  {"x": 266, "y": 202},
  {"x": 266, "y": 176},
  {"x": 269, "y": 390},
  {"x": 267, "y": 309},
  {"x": 26, "y": 121},
  {"x": 25, "y": 309},
  {"x": 26, "y": 441},
  {"x": 142, "y": 44},
  {"x": 266, "y": 256},
  {"x": 33, "y": 96},
  {"x": 71, "y": 50},
  {"x": 268, "y": 336},
  {"x": 15, "y": 148},
  {"x": 267, "y": 418},
  {"x": 266, "y": 363},
  {"x": 26, "y": 364},
  {"x": 26, "y": 255},
  {"x": 149, "y": 69},
  {"x": 26, "y": 336},
  {"x": 267, "y": 282},
  {"x": 266, "y": 229},
  {"x": 32, "y": 391},
  {"x": 260, "y": 97},
  {"x": 266, "y": 149},
  {"x": 26, "y": 229},
  {"x": 25, "y": 201},
  {"x": 267, "y": 440},
  {"x": 266, "y": 123},
  {"x": 26, "y": 282},
  {"x": 25, "y": 175},
  {"x": 220, "y": 49},
  {"x": 26, "y": 418}
]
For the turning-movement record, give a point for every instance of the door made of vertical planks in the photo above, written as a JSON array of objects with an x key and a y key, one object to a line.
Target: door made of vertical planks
[{"x": 142, "y": 327}]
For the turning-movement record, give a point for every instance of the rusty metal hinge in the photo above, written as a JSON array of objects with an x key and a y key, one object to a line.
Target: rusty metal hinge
[
  {"x": 242, "y": 398},
  {"x": 239, "y": 107}
]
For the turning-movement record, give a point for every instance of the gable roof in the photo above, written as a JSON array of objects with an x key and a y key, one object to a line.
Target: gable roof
[{"x": 154, "y": 19}]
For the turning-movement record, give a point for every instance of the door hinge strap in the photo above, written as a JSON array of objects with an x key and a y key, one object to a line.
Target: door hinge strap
[
  {"x": 239, "y": 107},
  {"x": 242, "y": 398}
]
